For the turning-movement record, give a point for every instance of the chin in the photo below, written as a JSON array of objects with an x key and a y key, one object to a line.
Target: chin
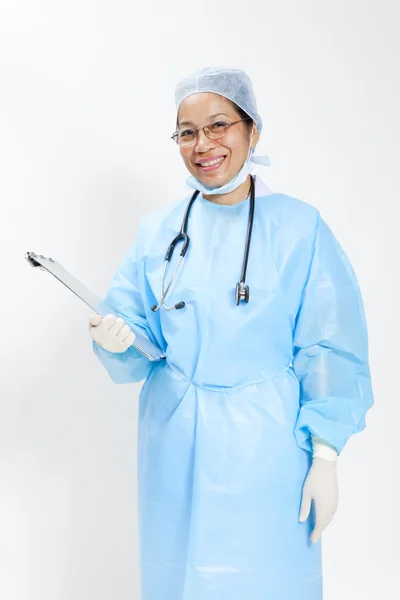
[
  {"x": 212, "y": 180},
  {"x": 214, "y": 183}
]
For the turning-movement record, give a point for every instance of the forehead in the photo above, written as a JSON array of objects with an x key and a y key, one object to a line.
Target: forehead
[{"x": 197, "y": 108}]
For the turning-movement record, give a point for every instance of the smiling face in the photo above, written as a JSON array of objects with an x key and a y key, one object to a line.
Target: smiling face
[{"x": 230, "y": 151}]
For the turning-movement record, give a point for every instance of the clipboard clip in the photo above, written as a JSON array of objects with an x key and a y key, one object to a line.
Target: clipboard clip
[{"x": 31, "y": 258}]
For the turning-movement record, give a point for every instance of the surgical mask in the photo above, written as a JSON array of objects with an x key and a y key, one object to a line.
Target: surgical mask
[{"x": 236, "y": 181}]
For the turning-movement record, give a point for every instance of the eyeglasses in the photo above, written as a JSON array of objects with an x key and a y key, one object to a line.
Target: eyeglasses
[{"x": 216, "y": 130}]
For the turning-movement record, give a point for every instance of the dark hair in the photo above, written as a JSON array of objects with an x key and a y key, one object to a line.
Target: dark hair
[{"x": 243, "y": 114}]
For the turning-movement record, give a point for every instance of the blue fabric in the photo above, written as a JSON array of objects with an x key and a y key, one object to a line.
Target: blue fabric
[{"x": 225, "y": 420}]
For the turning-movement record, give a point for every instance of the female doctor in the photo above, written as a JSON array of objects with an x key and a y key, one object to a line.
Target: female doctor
[{"x": 265, "y": 375}]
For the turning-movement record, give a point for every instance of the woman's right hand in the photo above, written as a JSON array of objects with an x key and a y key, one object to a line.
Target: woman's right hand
[{"x": 111, "y": 333}]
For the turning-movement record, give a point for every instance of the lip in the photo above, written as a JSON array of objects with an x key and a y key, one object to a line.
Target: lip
[{"x": 211, "y": 167}]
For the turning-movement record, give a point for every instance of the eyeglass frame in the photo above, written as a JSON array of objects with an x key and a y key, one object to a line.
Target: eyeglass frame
[{"x": 175, "y": 135}]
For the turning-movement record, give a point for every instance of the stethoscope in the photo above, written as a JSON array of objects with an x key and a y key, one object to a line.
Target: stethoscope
[{"x": 242, "y": 291}]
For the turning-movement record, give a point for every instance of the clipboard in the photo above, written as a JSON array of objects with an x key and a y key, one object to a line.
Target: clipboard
[{"x": 38, "y": 261}]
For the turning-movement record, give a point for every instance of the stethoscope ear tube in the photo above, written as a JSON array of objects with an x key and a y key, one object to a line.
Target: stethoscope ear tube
[
  {"x": 179, "y": 238},
  {"x": 177, "y": 306}
]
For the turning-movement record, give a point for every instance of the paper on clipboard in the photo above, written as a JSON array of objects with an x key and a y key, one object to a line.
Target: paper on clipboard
[{"x": 141, "y": 343}]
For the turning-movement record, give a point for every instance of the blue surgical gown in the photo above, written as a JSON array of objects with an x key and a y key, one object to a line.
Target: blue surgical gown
[{"x": 225, "y": 420}]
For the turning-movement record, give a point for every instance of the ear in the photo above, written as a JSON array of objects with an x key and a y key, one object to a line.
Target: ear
[{"x": 256, "y": 136}]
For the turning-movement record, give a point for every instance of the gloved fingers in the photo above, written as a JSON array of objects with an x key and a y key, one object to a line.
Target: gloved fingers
[
  {"x": 109, "y": 321},
  {"x": 316, "y": 534},
  {"x": 124, "y": 333},
  {"x": 305, "y": 506},
  {"x": 95, "y": 320},
  {"x": 118, "y": 326},
  {"x": 321, "y": 523},
  {"x": 130, "y": 339},
  {"x": 124, "y": 340}
]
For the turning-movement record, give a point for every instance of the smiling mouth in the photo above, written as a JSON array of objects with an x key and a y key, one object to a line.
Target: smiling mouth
[{"x": 211, "y": 164}]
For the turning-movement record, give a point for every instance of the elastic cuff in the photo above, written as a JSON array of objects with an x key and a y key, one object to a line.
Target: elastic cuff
[{"x": 322, "y": 449}]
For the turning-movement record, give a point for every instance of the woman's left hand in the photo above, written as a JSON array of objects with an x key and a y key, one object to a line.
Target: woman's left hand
[{"x": 321, "y": 486}]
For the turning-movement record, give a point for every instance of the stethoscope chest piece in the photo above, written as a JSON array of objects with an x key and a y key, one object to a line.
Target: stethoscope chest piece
[{"x": 242, "y": 293}]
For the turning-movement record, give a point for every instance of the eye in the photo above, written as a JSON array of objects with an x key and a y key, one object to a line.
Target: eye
[
  {"x": 186, "y": 133},
  {"x": 219, "y": 126}
]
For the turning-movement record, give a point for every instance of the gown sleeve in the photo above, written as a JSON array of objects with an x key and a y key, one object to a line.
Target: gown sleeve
[
  {"x": 330, "y": 348},
  {"x": 125, "y": 297}
]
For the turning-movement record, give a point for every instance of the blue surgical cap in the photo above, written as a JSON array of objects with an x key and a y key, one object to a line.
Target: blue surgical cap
[{"x": 233, "y": 84}]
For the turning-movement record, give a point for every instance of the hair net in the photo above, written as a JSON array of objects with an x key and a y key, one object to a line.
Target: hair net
[{"x": 233, "y": 84}]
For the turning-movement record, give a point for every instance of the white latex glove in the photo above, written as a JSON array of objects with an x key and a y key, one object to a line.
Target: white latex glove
[
  {"x": 111, "y": 333},
  {"x": 320, "y": 486}
]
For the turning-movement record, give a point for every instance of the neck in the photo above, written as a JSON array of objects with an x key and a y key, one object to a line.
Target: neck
[{"x": 231, "y": 198}]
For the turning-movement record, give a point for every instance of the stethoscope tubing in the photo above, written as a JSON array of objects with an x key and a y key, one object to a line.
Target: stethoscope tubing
[{"x": 242, "y": 291}]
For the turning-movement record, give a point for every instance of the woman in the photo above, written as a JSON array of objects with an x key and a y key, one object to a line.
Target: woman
[{"x": 241, "y": 425}]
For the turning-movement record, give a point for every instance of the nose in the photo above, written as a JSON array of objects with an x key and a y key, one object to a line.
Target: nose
[{"x": 203, "y": 143}]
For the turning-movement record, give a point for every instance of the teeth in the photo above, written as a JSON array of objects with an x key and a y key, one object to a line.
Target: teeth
[{"x": 212, "y": 162}]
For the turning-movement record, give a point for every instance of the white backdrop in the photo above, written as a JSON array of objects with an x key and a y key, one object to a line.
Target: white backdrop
[{"x": 86, "y": 113}]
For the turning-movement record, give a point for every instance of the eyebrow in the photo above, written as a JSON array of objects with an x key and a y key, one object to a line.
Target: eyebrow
[{"x": 210, "y": 117}]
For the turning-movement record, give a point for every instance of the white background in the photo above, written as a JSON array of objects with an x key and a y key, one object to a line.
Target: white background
[{"x": 86, "y": 113}]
